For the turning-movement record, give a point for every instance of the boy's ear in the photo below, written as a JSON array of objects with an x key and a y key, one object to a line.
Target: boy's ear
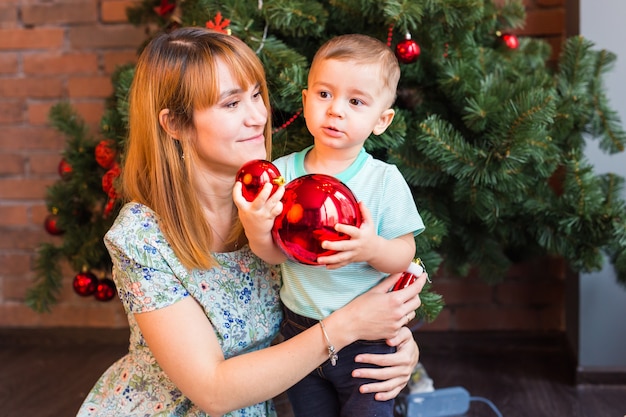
[
  {"x": 304, "y": 93},
  {"x": 166, "y": 123},
  {"x": 384, "y": 121}
]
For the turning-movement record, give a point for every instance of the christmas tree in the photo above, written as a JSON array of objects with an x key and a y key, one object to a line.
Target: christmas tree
[{"x": 489, "y": 134}]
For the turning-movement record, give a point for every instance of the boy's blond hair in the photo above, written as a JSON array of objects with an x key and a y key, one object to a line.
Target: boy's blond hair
[{"x": 363, "y": 49}]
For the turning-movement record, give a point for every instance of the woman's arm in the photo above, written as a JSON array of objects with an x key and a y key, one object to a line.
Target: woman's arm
[{"x": 185, "y": 346}]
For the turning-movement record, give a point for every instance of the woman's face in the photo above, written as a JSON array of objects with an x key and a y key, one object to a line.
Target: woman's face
[{"x": 230, "y": 132}]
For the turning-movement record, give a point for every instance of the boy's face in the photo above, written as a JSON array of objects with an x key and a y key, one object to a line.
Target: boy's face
[{"x": 345, "y": 102}]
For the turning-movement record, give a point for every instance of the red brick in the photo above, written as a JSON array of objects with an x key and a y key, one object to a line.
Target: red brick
[
  {"x": 36, "y": 38},
  {"x": 31, "y": 87},
  {"x": 543, "y": 22},
  {"x": 8, "y": 14},
  {"x": 11, "y": 111},
  {"x": 44, "y": 164},
  {"x": 12, "y": 215},
  {"x": 28, "y": 237},
  {"x": 11, "y": 164},
  {"x": 90, "y": 87},
  {"x": 114, "y": 59},
  {"x": 14, "y": 288},
  {"x": 115, "y": 36},
  {"x": 91, "y": 112},
  {"x": 530, "y": 293},
  {"x": 463, "y": 291},
  {"x": 550, "y": 3},
  {"x": 8, "y": 63},
  {"x": 30, "y": 138},
  {"x": 39, "y": 112},
  {"x": 26, "y": 189},
  {"x": 60, "y": 12},
  {"x": 114, "y": 11},
  {"x": 496, "y": 318},
  {"x": 71, "y": 63},
  {"x": 14, "y": 263}
]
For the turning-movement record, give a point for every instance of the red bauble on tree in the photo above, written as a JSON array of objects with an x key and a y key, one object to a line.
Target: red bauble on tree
[
  {"x": 407, "y": 50},
  {"x": 85, "y": 284},
  {"x": 51, "y": 225},
  {"x": 254, "y": 174},
  {"x": 509, "y": 40},
  {"x": 312, "y": 205},
  {"x": 65, "y": 169},
  {"x": 105, "y": 290},
  {"x": 105, "y": 153}
]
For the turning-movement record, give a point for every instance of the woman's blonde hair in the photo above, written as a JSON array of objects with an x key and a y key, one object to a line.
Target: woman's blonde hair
[{"x": 178, "y": 71}]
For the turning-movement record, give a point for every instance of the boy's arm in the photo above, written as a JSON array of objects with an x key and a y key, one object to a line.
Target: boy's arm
[
  {"x": 385, "y": 255},
  {"x": 257, "y": 218}
]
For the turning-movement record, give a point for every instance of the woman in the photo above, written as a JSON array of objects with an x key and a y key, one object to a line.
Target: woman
[{"x": 202, "y": 308}]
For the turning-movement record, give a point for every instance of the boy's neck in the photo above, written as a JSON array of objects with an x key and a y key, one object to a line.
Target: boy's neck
[{"x": 322, "y": 160}]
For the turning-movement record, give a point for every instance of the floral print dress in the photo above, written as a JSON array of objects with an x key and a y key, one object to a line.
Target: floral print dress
[{"x": 240, "y": 298}]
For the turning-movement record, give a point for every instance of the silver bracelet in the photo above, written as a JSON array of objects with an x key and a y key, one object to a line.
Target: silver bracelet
[{"x": 332, "y": 353}]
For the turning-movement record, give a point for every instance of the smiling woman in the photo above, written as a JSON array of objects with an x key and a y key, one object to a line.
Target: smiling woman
[{"x": 201, "y": 307}]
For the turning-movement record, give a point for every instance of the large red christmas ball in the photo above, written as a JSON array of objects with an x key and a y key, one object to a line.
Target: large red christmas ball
[
  {"x": 105, "y": 290},
  {"x": 51, "y": 226},
  {"x": 312, "y": 205},
  {"x": 407, "y": 50},
  {"x": 254, "y": 174},
  {"x": 85, "y": 283}
]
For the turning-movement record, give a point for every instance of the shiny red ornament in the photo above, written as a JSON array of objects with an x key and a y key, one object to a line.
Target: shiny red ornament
[
  {"x": 51, "y": 225},
  {"x": 105, "y": 153},
  {"x": 409, "y": 276},
  {"x": 312, "y": 205},
  {"x": 407, "y": 50},
  {"x": 108, "y": 181},
  {"x": 511, "y": 41},
  {"x": 65, "y": 169},
  {"x": 85, "y": 284},
  {"x": 254, "y": 174},
  {"x": 105, "y": 290}
]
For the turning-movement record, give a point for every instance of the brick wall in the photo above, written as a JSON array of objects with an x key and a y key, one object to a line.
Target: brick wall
[{"x": 67, "y": 49}]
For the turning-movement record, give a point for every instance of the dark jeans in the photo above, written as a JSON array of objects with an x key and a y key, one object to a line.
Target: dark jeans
[{"x": 332, "y": 391}]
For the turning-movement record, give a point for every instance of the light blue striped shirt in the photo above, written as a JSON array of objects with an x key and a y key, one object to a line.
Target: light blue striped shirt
[{"x": 314, "y": 291}]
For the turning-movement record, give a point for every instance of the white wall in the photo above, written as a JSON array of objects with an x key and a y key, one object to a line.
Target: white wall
[{"x": 602, "y": 329}]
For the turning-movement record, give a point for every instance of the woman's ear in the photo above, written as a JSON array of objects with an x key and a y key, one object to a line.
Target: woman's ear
[
  {"x": 384, "y": 121},
  {"x": 165, "y": 120}
]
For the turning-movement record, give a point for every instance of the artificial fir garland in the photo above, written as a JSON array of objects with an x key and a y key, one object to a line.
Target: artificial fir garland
[{"x": 488, "y": 133}]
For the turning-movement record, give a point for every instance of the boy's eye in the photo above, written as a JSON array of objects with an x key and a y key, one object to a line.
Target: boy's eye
[
  {"x": 356, "y": 101},
  {"x": 324, "y": 94}
]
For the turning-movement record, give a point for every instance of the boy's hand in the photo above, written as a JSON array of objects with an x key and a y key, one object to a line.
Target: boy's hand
[
  {"x": 361, "y": 246},
  {"x": 257, "y": 216}
]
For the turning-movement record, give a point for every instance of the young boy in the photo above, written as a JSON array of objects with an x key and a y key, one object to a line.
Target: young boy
[{"x": 351, "y": 88}]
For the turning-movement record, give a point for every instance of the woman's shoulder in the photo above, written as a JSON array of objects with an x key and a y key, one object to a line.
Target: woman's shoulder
[{"x": 134, "y": 223}]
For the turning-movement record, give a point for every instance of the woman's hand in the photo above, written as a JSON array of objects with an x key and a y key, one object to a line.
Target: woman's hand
[
  {"x": 378, "y": 313},
  {"x": 395, "y": 369}
]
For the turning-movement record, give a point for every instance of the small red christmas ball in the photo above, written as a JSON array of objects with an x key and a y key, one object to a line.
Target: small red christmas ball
[
  {"x": 108, "y": 180},
  {"x": 509, "y": 40},
  {"x": 85, "y": 284},
  {"x": 312, "y": 205},
  {"x": 51, "y": 225},
  {"x": 64, "y": 169},
  {"x": 254, "y": 174},
  {"x": 105, "y": 289},
  {"x": 105, "y": 153},
  {"x": 407, "y": 50}
]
